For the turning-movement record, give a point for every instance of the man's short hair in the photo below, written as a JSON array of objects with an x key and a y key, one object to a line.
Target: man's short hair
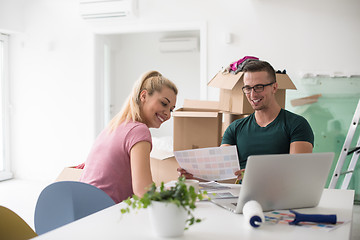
[{"x": 260, "y": 66}]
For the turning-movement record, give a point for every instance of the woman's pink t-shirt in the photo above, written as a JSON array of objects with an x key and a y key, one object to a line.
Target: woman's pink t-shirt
[{"x": 108, "y": 164}]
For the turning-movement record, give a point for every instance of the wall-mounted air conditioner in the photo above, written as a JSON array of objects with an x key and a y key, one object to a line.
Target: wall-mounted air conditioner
[
  {"x": 90, "y": 9},
  {"x": 183, "y": 44}
]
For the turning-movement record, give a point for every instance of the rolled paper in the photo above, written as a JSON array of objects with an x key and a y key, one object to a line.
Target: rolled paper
[
  {"x": 316, "y": 218},
  {"x": 253, "y": 213}
]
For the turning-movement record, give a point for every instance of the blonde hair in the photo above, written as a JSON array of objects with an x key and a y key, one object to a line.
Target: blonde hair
[{"x": 151, "y": 81}]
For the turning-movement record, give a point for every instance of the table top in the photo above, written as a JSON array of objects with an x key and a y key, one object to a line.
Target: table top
[{"x": 218, "y": 223}]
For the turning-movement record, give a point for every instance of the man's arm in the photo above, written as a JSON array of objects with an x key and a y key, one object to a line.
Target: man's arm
[
  {"x": 225, "y": 145},
  {"x": 301, "y": 147}
]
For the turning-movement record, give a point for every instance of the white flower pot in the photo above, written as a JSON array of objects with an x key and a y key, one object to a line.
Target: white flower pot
[{"x": 167, "y": 219}]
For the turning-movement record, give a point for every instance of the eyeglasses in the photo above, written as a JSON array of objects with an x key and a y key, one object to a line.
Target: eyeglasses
[{"x": 257, "y": 88}]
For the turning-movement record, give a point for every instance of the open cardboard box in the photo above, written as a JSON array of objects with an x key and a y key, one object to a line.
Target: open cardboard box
[
  {"x": 197, "y": 125},
  {"x": 233, "y": 100},
  {"x": 201, "y": 105},
  {"x": 228, "y": 117}
]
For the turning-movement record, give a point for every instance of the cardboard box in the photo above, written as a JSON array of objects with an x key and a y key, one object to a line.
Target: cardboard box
[
  {"x": 233, "y": 100},
  {"x": 69, "y": 174},
  {"x": 201, "y": 105},
  {"x": 197, "y": 125},
  {"x": 164, "y": 170}
]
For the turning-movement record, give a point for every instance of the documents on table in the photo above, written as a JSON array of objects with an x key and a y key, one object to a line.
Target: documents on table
[
  {"x": 221, "y": 195},
  {"x": 215, "y": 190},
  {"x": 216, "y": 163},
  {"x": 212, "y": 186}
]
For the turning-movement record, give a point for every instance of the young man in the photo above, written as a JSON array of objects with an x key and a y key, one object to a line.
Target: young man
[{"x": 270, "y": 129}]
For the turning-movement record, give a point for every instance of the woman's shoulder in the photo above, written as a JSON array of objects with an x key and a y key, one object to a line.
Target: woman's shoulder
[{"x": 133, "y": 126}]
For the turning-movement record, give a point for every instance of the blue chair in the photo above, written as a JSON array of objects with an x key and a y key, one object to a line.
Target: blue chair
[
  {"x": 13, "y": 227},
  {"x": 63, "y": 202}
]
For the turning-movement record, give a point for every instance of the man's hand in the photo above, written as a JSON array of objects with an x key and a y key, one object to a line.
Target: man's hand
[{"x": 240, "y": 174}]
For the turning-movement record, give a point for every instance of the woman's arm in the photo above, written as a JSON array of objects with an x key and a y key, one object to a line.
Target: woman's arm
[{"x": 140, "y": 167}]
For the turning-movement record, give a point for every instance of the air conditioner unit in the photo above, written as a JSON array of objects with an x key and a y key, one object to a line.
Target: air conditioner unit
[
  {"x": 90, "y": 9},
  {"x": 184, "y": 44}
]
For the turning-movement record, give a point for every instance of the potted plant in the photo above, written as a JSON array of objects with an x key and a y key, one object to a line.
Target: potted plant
[{"x": 170, "y": 208}]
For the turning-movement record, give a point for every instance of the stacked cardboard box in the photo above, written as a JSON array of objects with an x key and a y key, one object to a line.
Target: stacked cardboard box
[{"x": 197, "y": 125}]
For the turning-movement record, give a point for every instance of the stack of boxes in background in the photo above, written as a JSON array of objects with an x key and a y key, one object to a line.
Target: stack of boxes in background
[{"x": 201, "y": 124}]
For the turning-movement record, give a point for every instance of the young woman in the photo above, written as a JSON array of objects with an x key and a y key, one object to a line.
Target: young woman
[{"x": 119, "y": 161}]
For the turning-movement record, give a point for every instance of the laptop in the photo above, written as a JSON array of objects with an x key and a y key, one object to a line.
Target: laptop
[{"x": 282, "y": 181}]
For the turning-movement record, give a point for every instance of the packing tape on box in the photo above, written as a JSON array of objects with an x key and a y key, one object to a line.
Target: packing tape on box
[{"x": 253, "y": 214}]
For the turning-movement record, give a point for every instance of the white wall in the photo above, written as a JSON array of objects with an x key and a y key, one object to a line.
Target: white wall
[
  {"x": 52, "y": 90},
  {"x": 52, "y": 61},
  {"x": 139, "y": 52},
  {"x": 11, "y": 12},
  {"x": 302, "y": 37}
]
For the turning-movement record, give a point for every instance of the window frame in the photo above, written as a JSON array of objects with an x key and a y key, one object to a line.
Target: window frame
[{"x": 5, "y": 173}]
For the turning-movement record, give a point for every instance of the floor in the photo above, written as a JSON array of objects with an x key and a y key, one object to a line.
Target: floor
[{"x": 20, "y": 196}]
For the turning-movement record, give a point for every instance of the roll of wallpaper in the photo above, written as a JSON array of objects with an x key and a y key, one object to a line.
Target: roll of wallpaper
[{"x": 253, "y": 213}]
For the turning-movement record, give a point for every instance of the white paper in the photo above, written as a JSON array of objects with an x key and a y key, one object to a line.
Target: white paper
[{"x": 216, "y": 163}]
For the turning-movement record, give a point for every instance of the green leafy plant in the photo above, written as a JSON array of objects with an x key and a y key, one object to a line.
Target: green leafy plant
[{"x": 180, "y": 194}]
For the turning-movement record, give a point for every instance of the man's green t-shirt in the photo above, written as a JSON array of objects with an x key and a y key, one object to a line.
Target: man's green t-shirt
[{"x": 275, "y": 138}]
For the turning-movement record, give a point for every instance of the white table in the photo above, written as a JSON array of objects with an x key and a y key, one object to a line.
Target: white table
[{"x": 218, "y": 223}]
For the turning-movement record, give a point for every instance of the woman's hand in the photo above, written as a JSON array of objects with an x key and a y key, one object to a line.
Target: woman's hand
[{"x": 183, "y": 172}]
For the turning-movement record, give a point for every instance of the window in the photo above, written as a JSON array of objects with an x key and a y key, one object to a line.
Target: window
[{"x": 4, "y": 109}]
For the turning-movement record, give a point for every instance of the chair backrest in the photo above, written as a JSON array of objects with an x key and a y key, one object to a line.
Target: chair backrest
[
  {"x": 12, "y": 226},
  {"x": 63, "y": 202}
]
